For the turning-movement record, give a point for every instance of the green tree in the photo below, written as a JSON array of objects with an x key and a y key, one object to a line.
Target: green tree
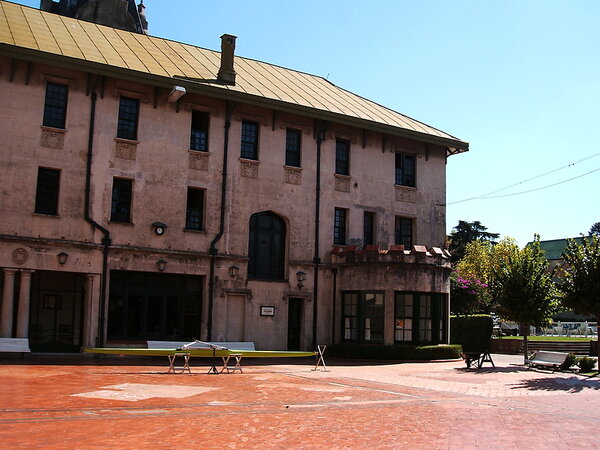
[
  {"x": 466, "y": 232},
  {"x": 581, "y": 282},
  {"x": 595, "y": 229},
  {"x": 522, "y": 288}
]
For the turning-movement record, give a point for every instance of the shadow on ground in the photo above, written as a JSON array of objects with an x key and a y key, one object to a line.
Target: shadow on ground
[{"x": 571, "y": 384}]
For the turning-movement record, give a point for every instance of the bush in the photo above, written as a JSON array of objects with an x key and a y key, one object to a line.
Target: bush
[
  {"x": 395, "y": 352},
  {"x": 472, "y": 332},
  {"x": 586, "y": 364},
  {"x": 570, "y": 361}
]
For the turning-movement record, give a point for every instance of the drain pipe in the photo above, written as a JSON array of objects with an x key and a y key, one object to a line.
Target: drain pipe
[
  {"x": 213, "y": 251},
  {"x": 106, "y": 239},
  {"x": 317, "y": 259}
]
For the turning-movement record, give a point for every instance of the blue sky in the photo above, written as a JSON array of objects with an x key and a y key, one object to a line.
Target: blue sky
[{"x": 518, "y": 80}]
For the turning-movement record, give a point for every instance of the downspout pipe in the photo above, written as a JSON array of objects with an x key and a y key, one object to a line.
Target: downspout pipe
[
  {"x": 213, "y": 251},
  {"x": 106, "y": 239},
  {"x": 317, "y": 259}
]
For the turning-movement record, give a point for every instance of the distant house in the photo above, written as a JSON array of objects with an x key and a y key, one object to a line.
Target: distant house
[{"x": 157, "y": 190}]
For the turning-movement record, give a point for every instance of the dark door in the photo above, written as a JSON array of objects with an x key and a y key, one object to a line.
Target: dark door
[
  {"x": 56, "y": 312},
  {"x": 294, "y": 323}
]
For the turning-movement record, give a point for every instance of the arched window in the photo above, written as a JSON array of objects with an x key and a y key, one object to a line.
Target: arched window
[{"x": 266, "y": 247}]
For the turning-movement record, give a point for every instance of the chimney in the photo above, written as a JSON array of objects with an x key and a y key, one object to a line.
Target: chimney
[{"x": 226, "y": 73}]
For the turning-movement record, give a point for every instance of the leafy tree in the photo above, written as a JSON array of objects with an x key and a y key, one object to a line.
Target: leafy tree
[
  {"x": 468, "y": 297},
  {"x": 523, "y": 289},
  {"x": 482, "y": 256},
  {"x": 595, "y": 229},
  {"x": 581, "y": 281},
  {"x": 466, "y": 232}
]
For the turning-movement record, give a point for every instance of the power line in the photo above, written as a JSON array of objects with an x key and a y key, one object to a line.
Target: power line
[{"x": 490, "y": 196}]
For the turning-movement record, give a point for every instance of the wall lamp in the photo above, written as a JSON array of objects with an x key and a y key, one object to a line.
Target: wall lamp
[
  {"x": 176, "y": 93},
  {"x": 233, "y": 271},
  {"x": 62, "y": 258},
  {"x": 300, "y": 276},
  {"x": 161, "y": 264}
]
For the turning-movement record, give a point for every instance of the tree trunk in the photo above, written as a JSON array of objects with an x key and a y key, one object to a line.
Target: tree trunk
[
  {"x": 525, "y": 333},
  {"x": 598, "y": 340}
]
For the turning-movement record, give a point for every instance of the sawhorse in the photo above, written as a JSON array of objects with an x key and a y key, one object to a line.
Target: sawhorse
[{"x": 320, "y": 354}]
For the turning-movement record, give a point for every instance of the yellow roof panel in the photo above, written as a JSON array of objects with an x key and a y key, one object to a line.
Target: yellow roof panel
[{"x": 45, "y": 32}]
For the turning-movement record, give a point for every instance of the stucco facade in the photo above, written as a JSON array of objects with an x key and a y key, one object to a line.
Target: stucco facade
[{"x": 123, "y": 283}]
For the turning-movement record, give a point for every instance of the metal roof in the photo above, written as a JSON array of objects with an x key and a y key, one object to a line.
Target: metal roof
[
  {"x": 554, "y": 249},
  {"x": 46, "y": 37}
]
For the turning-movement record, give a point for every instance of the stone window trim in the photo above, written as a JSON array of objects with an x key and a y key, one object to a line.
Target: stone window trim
[
  {"x": 193, "y": 106},
  {"x": 127, "y": 141},
  {"x": 261, "y": 120},
  {"x": 53, "y": 129},
  {"x": 285, "y": 124},
  {"x": 352, "y": 138},
  {"x": 141, "y": 96},
  {"x": 70, "y": 82},
  {"x": 290, "y": 168}
]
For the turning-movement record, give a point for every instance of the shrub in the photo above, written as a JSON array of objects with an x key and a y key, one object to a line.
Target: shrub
[
  {"x": 586, "y": 364},
  {"x": 395, "y": 352},
  {"x": 472, "y": 332},
  {"x": 570, "y": 361}
]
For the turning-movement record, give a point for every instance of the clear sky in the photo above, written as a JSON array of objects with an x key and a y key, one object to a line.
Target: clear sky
[{"x": 519, "y": 80}]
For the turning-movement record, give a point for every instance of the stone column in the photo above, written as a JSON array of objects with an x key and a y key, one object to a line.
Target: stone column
[
  {"x": 91, "y": 309},
  {"x": 24, "y": 303},
  {"x": 6, "y": 318}
]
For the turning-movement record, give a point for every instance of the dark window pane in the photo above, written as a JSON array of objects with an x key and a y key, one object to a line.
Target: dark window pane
[
  {"x": 199, "y": 136},
  {"x": 292, "y": 148},
  {"x": 266, "y": 247},
  {"x": 194, "y": 219},
  {"x": 403, "y": 232},
  {"x": 363, "y": 316},
  {"x": 46, "y": 195},
  {"x": 121, "y": 200},
  {"x": 369, "y": 228},
  {"x": 128, "y": 118},
  {"x": 249, "y": 145},
  {"x": 339, "y": 227},
  {"x": 55, "y": 106},
  {"x": 342, "y": 157},
  {"x": 405, "y": 170}
]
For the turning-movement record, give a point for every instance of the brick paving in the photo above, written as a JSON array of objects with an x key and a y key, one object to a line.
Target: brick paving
[{"x": 91, "y": 403}]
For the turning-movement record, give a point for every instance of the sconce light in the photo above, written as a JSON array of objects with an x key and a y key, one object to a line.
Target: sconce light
[
  {"x": 300, "y": 276},
  {"x": 159, "y": 228},
  {"x": 62, "y": 258},
  {"x": 233, "y": 271},
  {"x": 176, "y": 93},
  {"x": 161, "y": 264}
]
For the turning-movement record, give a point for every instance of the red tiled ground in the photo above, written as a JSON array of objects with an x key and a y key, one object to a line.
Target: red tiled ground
[{"x": 413, "y": 405}]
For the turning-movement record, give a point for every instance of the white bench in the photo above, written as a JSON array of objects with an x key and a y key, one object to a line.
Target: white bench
[
  {"x": 200, "y": 344},
  {"x": 544, "y": 358},
  {"x": 14, "y": 345}
]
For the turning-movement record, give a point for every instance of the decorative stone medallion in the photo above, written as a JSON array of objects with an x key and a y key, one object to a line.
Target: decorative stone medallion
[{"x": 20, "y": 256}]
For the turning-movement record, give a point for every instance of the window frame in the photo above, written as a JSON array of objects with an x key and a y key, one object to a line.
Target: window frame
[
  {"x": 342, "y": 157},
  {"x": 195, "y": 223},
  {"x": 340, "y": 226},
  {"x": 293, "y": 147},
  {"x": 369, "y": 227},
  {"x": 400, "y": 236},
  {"x": 269, "y": 266},
  {"x": 249, "y": 140},
  {"x": 428, "y": 322},
  {"x": 128, "y": 118},
  {"x": 119, "y": 216},
  {"x": 358, "y": 323},
  {"x": 405, "y": 169},
  {"x": 199, "y": 130},
  {"x": 55, "y": 106},
  {"x": 47, "y": 191}
]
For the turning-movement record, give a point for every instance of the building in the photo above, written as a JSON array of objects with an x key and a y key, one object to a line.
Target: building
[{"x": 157, "y": 190}]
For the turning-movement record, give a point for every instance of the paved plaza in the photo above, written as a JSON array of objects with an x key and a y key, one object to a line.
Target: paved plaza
[{"x": 130, "y": 403}]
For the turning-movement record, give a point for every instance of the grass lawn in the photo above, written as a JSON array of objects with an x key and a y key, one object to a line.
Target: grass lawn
[{"x": 550, "y": 338}]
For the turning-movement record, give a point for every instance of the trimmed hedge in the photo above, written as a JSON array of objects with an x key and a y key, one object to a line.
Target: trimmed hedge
[
  {"x": 397, "y": 352},
  {"x": 472, "y": 332}
]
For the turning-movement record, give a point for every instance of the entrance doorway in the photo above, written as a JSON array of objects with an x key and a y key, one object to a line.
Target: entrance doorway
[
  {"x": 56, "y": 312},
  {"x": 294, "y": 323}
]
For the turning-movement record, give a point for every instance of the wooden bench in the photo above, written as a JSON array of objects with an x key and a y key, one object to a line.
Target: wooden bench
[
  {"x": 183, "y": 345},
  {"x": 543, "y": 358},
  {"x": 14, "y": 345}
]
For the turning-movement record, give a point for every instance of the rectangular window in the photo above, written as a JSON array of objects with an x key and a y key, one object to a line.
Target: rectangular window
[
  {"x": 46, "y": 194},
  {"x": 249, "y": 147},
  {"x": 128, "y": 118},
  {"x": 342, "y": 157},
  {"x": 368, "y": 228},
  {"x": 420, "y": 317},
  {"x": 403, "y": 232},
  {"x": 292, "y": 147},
  {"x": 55, "y": 106},
  {"x": 339, "y": 226},
  {"x": 362, "y": 316},
  {"x": 121, "y": 200},
  {"x": 199, "y": 136},
  {"x": 405, "y": 170},
  {"x": 194, "y": 219}
]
